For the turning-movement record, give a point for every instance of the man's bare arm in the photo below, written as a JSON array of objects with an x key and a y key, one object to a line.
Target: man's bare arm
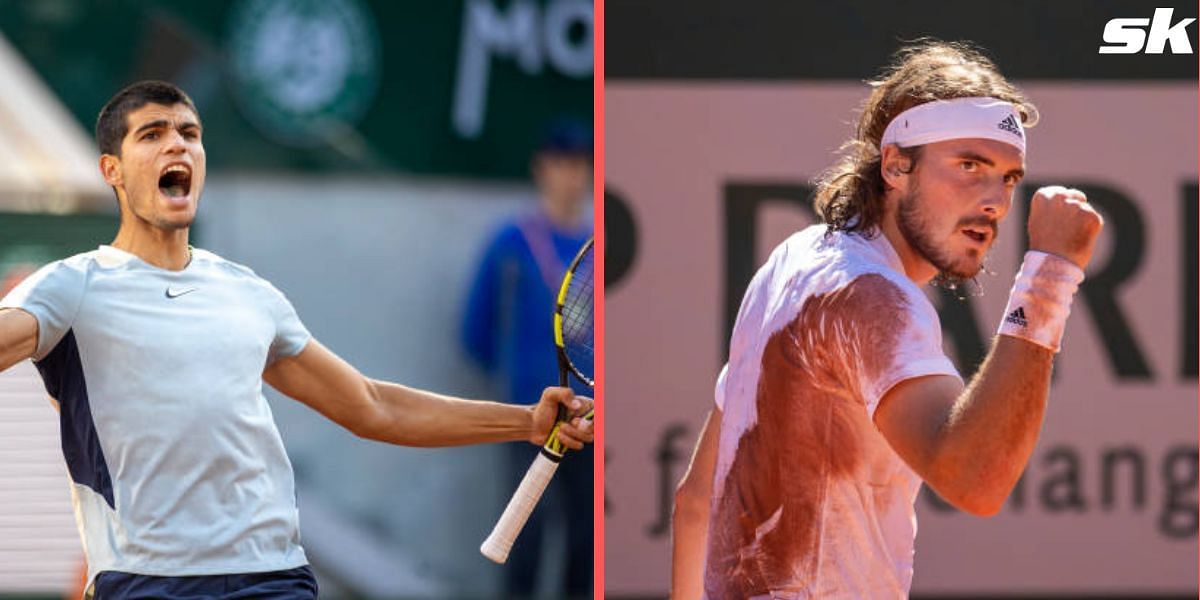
[
  {"x": 689, "y": 520},
  {"x": 18, "y": 336},
  {"x": 972, "y": 445},
  {"x": 393, "y": 413}
]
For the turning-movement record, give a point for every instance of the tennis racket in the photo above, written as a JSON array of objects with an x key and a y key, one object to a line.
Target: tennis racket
[{"x": 573, "y": 340}]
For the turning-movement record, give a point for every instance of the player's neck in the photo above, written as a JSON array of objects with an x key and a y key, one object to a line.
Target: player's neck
[
  {"x": 165, "y": 249},
  {"x": 916, "y": 268}
]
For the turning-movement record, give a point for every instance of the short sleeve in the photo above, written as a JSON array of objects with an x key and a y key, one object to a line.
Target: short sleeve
[
  {"x": 898, "y": 336},
  {"x": 291, "y": 336},
  {"x": 52, "y": 295},
  {"x": 719, "y": 391}
]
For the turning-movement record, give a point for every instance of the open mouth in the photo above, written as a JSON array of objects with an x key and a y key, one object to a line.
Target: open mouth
[
  {"x": 175, "y": 181},
  {"x": 979, "y": 235}
]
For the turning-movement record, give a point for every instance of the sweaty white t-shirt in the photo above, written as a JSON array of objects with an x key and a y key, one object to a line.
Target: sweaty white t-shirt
[{"x": 809, "y": 500}]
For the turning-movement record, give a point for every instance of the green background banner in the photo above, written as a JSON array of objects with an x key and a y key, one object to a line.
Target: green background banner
[
  {"x": 28, "y": 241},
  {"x": 442, "y": 88}
]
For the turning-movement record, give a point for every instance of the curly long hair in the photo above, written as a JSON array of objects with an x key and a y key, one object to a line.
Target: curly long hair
[{"x": 849, "y": 195}]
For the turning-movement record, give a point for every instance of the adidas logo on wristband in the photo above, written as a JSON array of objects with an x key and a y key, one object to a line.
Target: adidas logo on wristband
[
  {"x": 1017, "y": 317},
  {"x": 1046, "y": 284}
]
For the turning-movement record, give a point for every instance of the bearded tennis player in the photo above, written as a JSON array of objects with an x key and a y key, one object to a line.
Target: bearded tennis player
[
  {"x": 155, "y": 353},
  {"x": 837, "y": 400}
]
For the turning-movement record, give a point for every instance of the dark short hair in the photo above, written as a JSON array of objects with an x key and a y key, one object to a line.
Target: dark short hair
[{"x": 111, "y": 125}]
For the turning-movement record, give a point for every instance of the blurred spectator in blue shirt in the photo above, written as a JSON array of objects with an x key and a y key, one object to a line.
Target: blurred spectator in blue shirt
[{"x": 507, "y": 330}]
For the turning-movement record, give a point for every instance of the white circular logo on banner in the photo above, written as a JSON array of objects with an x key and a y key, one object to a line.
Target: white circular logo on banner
[{"x": 303, "y": 71}]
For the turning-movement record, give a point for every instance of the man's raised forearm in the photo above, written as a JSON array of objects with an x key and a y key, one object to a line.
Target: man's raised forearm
[
  {"x": 991, "y": 430},
  {"x": 413, "y": 417}
]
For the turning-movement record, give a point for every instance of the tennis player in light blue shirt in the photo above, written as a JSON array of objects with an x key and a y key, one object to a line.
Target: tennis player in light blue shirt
[{"x": 156, "y": 353}]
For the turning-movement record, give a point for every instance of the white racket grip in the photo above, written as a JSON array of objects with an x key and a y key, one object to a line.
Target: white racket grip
[{"x": 497, "y": 545}]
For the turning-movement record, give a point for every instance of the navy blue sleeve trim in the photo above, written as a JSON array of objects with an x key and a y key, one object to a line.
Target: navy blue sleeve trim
[{"x": 62, "y": 374}]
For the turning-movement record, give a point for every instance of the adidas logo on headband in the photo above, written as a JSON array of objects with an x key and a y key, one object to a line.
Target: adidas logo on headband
[
  {"x": 1010, "y": 125},
  {"x": 977, "y": 117}
]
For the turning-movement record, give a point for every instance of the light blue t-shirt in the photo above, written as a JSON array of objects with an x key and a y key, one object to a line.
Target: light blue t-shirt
[{"x": 176, "y": 463}]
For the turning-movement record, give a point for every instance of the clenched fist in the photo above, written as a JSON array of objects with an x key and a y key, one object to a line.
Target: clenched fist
[{"x": 1061, "y": 222}]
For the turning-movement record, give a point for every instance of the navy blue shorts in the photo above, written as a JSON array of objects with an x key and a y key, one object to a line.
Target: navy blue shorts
[{"x": 292, "y": 584}]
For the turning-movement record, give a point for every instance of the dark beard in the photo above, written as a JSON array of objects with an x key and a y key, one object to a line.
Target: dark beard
[{"x": 914, "y": 227}]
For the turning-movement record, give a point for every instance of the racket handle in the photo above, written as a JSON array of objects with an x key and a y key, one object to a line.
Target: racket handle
[{"x": 497, "y": 545}]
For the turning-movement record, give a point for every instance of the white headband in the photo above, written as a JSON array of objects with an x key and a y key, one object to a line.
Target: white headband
[{"x": 959, "y": 118}]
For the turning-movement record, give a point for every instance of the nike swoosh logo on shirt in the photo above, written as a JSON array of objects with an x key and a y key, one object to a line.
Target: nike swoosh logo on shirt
[{"x": 175, "y": 294}]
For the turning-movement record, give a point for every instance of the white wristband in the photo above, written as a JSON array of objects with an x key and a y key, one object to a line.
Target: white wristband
[{"x": 1040, "y": 300}]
